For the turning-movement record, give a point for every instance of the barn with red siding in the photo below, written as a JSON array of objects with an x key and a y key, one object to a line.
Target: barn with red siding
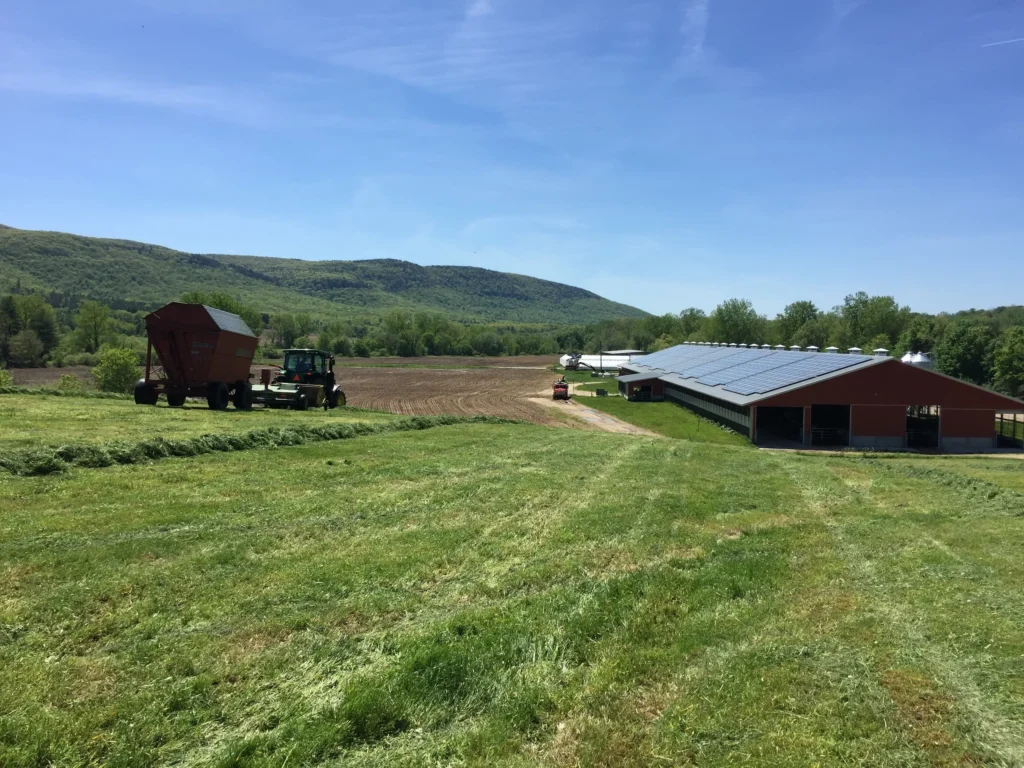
[{"x": 787, "y": 397}]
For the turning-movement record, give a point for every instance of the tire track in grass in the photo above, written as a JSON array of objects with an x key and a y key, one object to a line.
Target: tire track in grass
[{"x": 928, "y": 715}]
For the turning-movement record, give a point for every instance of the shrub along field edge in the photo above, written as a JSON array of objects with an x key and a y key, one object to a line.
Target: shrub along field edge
[{"x": 52, "y": 461}]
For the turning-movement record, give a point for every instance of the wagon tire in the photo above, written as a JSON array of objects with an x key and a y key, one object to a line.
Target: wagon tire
[
  {"x": 302, "y": 403},
  {"x": 217, "y": 396},
  {"x": 175, "y": 401},
  {"x": 145, "y": 393},
  {"x": 243, "y": 396}
]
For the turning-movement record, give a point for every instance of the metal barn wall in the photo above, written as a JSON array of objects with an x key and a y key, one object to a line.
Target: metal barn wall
[
  {"x": 879, "y": 420},
  {"x": 878, "y": 426},
  {"x": 734, "y": 417},
  {"x": 895, "y": 383}
]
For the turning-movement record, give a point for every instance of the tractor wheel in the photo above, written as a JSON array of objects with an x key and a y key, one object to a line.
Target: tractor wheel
[
  {"x": 217, "y": 396},
  {"x": 336, "y": 398},
  {"x": 145, "y": 394},
  {"x": 243, "y": 396},
  {"x": 175, "y": 401},
  {"x": 302, "y": 403}
]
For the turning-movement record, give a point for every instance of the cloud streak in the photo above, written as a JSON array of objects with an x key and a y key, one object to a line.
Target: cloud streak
[
  {"x": 1004, "y": 42},
  {"x": 479, "y": 8},
  {"x": 694, "y": 29}
]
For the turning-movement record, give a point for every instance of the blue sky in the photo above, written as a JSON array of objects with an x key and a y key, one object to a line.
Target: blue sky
[{"x": 663, "y": 154}]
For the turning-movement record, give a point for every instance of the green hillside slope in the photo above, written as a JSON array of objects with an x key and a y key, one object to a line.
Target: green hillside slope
[{"x": 119, "y": 271}]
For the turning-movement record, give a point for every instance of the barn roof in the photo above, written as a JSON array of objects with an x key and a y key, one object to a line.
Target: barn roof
[
  {"x": 743, "y": 376},
  {"x": 639, "y": 377}
]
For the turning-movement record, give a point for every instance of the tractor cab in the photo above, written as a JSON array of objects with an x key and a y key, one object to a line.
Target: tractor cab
[
  {"x": 306, "y": 366},
  {"x": 305, "y": 380}
]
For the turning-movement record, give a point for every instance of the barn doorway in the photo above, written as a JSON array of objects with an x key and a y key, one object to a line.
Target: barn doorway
[
  {"x": 830, "y": 425},
  {"x": 642, "y": 393},
  {"x": 1010, "y": 430},
  {"x": 923, "y": 426},
  {"x": 780, "y": 426}
]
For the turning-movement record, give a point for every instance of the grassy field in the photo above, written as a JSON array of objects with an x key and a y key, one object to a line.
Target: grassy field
[
  {"x": 505, "y": 595},
  {"x": 28, "y": 421},
  {"x": 666, "y": 419}
]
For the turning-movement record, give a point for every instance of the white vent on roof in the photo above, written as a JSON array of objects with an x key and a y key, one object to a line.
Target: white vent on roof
[
  {"x": 780, "y": 347},
  {"x": 880, "y": 352},
  {"x": 855, "y": 351},
  {"x": 832, "y": 350},
  {"x": 734, "y": 344},
  {"x": 918, "y": 359},
  {"x": 795, "y": 348},
  {"x": 743, "y": 346},
  {"x": 812, "y": 348},
  {"x": 766, "y": 346}
]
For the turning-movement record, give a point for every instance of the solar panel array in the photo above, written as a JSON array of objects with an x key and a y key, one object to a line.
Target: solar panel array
[{"x": 747, "y": 371}]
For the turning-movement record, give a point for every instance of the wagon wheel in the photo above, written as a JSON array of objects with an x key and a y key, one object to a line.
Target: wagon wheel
[
  {"x": 243, "y": 396},
  {"x": 145, "y": 393},
  {"x": 175, "y": 401},
  {"x": 217, "y": 396}
]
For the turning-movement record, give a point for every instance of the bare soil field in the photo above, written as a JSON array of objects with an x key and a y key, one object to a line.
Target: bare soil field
[
  {"x": 522, "y": 361},
  {"x": 429, "y": 391},
  {"x": 41, "y": 377}
]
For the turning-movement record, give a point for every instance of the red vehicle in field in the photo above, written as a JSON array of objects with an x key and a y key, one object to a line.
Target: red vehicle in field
[{"x": 560, "y": 390}]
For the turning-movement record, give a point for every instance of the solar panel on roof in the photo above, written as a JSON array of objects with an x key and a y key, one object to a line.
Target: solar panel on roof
[
  {"x": 808, "y": 368},
  {"x": 745, "y": 372},
  {"x": 763, "y": 360},
  {"x": 722, "y": 362}
]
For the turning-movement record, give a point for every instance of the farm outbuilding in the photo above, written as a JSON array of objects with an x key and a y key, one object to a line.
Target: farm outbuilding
[
  {"x": 642, "y": 387},
  {"x": 788, "y": 397}
]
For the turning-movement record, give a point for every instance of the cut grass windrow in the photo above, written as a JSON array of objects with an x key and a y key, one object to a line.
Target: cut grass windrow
[
  {"x": 978, "y": 493},
  {"x": 50, "y": 392},
  {"x": 52, "y": 461}
]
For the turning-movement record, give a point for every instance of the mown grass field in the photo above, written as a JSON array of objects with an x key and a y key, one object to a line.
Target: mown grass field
[
  {"x": 28, "y": 421},
  {"x": 666, "y": 419},
  {"x": 508, "y": 595}
]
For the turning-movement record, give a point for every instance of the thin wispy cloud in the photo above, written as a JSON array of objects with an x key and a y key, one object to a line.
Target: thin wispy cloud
[
  {"x": 694, "y": 29},
  {"x": 191, "y": 99},
  {"x": 479, "y": 8},
  {"x": 843, "y": 9},
  {"x": 1004, "y": 42}
]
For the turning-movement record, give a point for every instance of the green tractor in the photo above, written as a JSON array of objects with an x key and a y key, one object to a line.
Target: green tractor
[{"x": 306, "y": 380}]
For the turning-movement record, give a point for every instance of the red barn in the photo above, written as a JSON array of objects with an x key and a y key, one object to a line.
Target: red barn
[{"x": 786, "y": 397}]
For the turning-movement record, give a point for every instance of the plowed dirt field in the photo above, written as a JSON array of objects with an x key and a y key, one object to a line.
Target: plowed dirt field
[{"x": 429, "y": 391}]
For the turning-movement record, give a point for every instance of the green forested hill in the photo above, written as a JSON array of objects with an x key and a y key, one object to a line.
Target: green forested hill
[{"x": 121, "y": 272}]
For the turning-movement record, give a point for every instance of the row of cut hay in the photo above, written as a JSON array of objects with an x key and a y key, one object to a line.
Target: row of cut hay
[
  {"x": 983, "y": 495},
  {"x": 51, "y": 392},
  {"x": 55, "y": 460}
]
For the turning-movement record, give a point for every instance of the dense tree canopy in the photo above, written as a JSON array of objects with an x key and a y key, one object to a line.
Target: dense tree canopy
[
  {"x": 1008, "y": 362},
  {"x": 982, "y": 347},
  {"x": 966, "y": 350}
]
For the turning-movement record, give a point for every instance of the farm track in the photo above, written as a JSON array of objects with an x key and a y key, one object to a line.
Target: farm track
[{"x": 429, "y": 392}]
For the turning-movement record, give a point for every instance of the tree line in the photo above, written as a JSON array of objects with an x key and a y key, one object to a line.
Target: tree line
[{"x": 985, "y": 347}]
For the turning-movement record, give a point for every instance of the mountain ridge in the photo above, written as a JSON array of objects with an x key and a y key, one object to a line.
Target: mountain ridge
[{"x": 120, "y": 271}]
